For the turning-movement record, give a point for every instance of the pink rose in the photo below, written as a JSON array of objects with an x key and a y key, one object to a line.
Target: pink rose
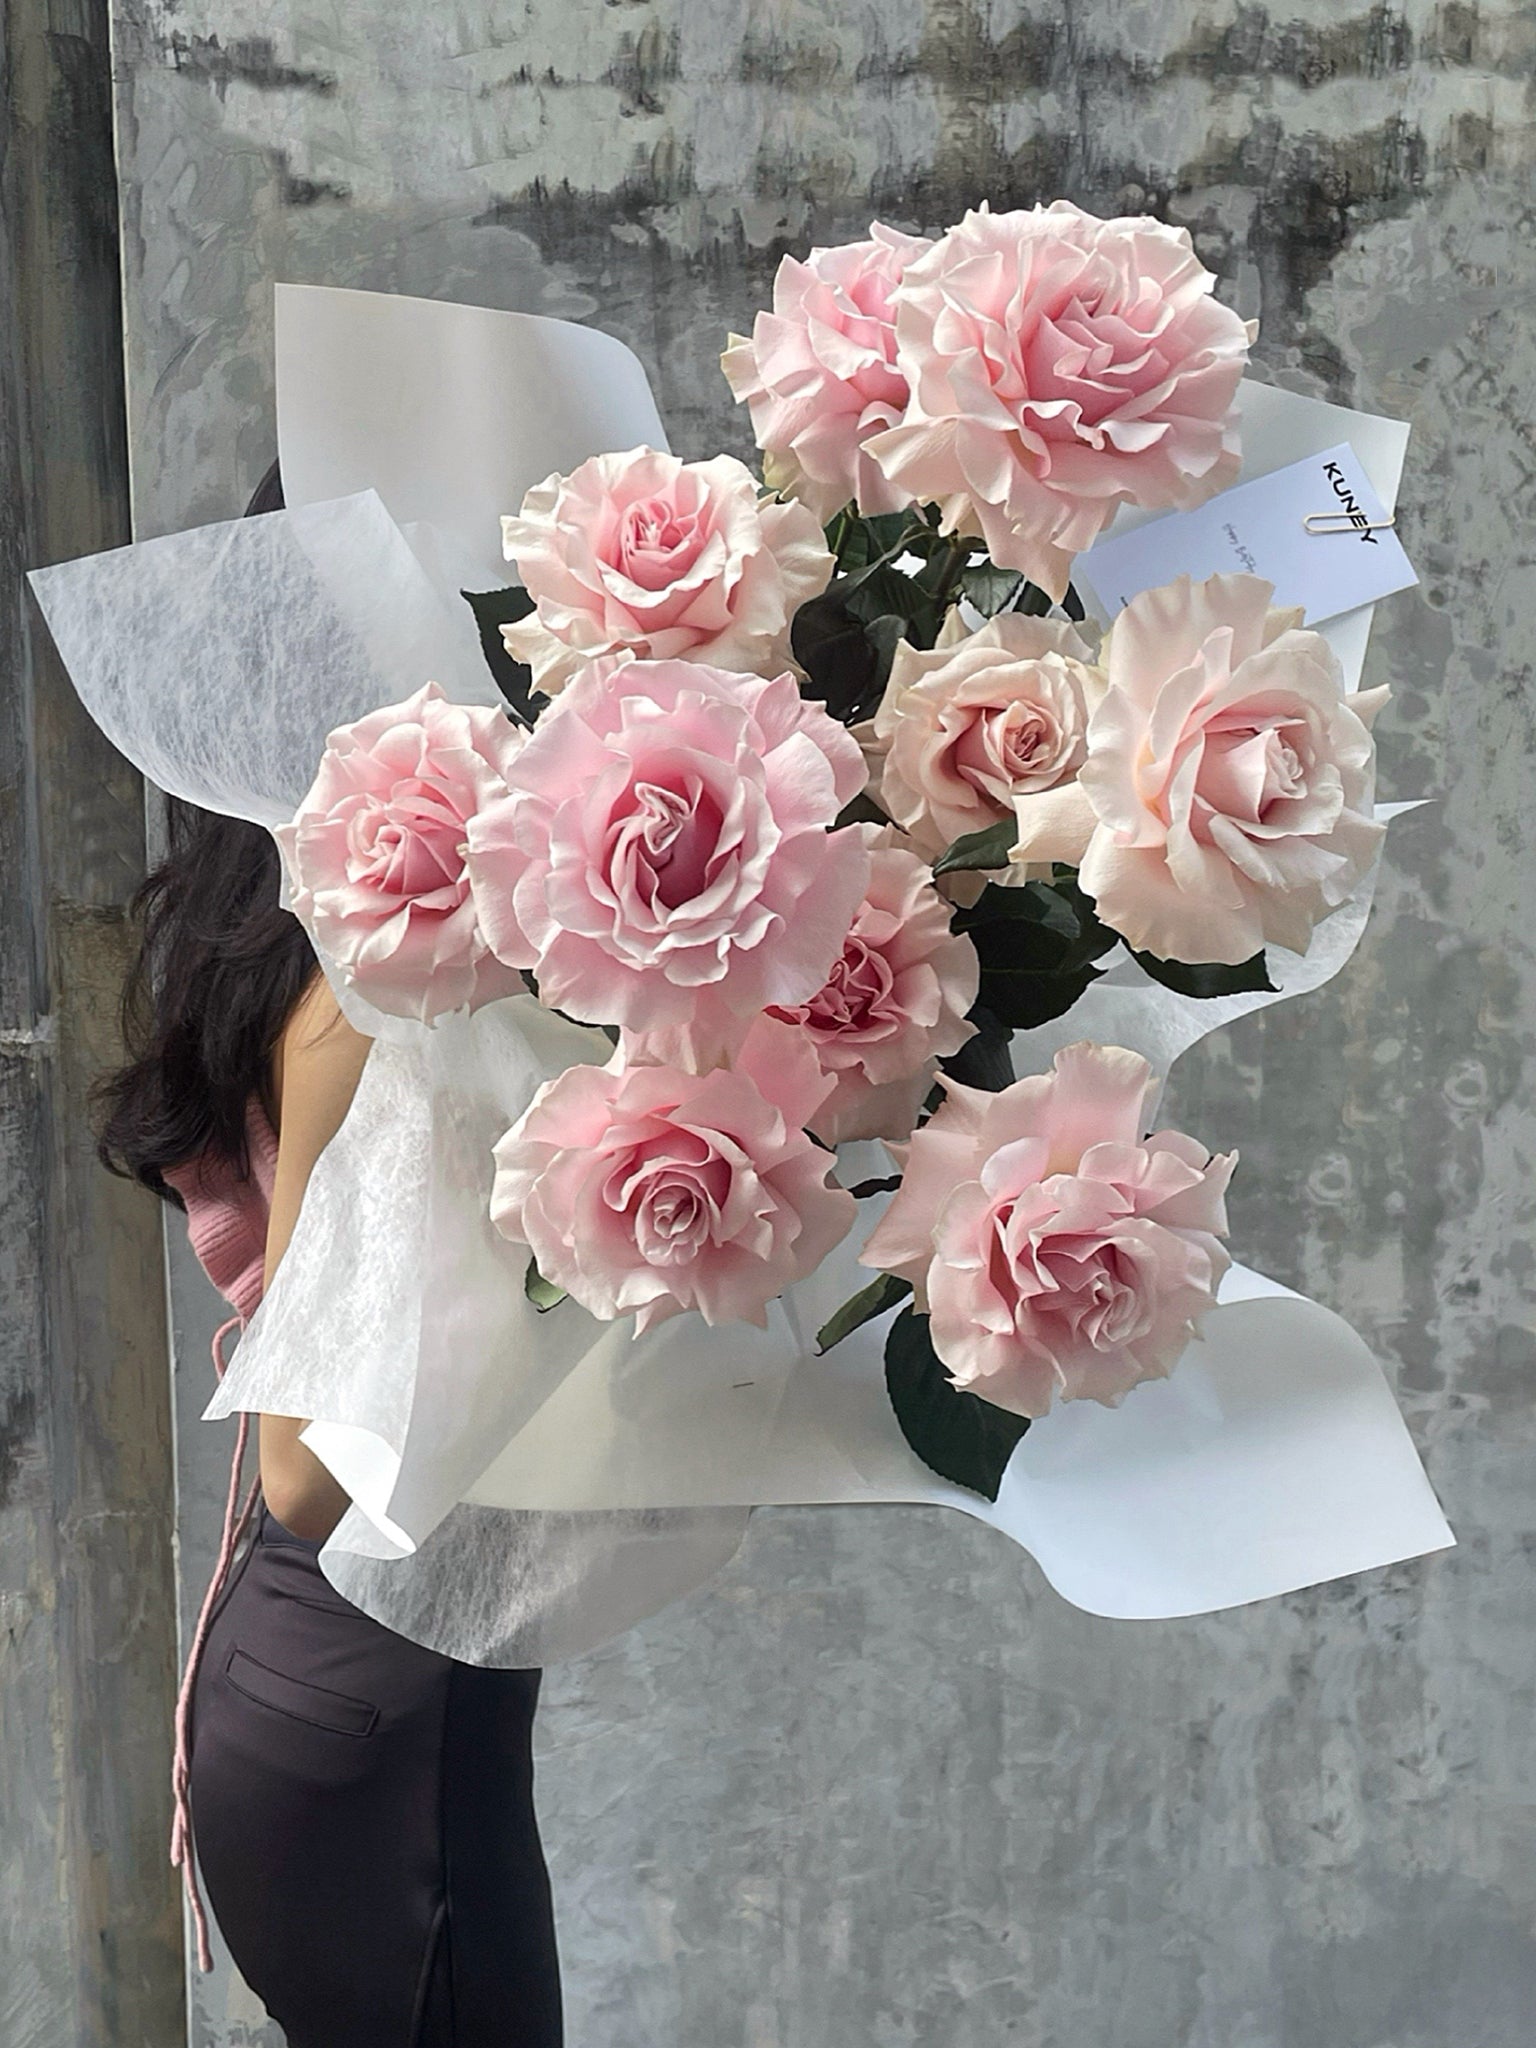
[
  {"x": 1061, "y": 366},
  {"x": 375, "y": 853},
  {"x": 895, "y": 1001},
  {"x": 644, "y": 554},
  {"x": 1056, "y": 1250},
  {"x": 642, "y": 1189},
  {"x": 1227, "y": 799},
  {"x": 663, "y": 861},
  {"x": 982, "y": 718},
  {"x": 819, "y": 374}
]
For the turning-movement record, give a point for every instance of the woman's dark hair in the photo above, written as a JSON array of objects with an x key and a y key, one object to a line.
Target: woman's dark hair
[{"x": 218, "y": 973}]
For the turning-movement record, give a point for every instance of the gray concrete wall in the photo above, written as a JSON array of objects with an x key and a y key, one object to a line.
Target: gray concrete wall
[
  {"x": 89, "y": 1925},
  {"x": 877, "y": 1786}
]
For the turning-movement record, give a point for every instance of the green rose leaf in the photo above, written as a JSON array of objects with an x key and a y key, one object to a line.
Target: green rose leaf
[
  {"x": 863, "y": 539},
  {"x": 988, "y": 848},
  {"x": 990, "y": 589},
  {"x": 1025, "y": 999},
  {"x": 846, "y": 658},
  {"x": 883, "y": 592},
  {"x": 984, "y": 1061},
  {"x": 845, "y": 638},
  {"x": 1034, "y": 903},
  {"x": 1210, "y": 978},
  {"x": 956, "y": 1434},
  {"x": 1036, "y": 946},
  {"x": 544, "y": 1294},
  {"x": 883, "y": 1292},
  {"x": 494, "y": 609}
]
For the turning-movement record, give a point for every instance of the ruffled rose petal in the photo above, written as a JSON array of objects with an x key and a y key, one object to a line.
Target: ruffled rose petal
[
  {"x": 819, "y": 376},
  {"x": 1227, "y": 799},
  {"x": 375, "y": 853},
  {"x": 1059, "y": 1254},
  {"x": 1060, "y": 366},
  {"x": 968, "y": 726},
  {"x": 644, "y": 1190},
  {"x": 663, "y": 860},
  {"x": 641, "y": 554},
  {"x": 894, "y": 1003}
]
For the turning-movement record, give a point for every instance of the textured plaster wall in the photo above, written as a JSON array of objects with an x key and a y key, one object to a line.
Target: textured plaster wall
[{"x": 878, "y": 1787}]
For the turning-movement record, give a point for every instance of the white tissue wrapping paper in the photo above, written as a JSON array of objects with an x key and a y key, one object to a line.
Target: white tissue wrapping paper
[
  {"x": 527, "y": 1486},
  {"x": 218, "y": 660},
  {"x": 520, "y": 1590},
  {"x": 449, "y": 412},
  {"x": 1273, "y": 1457}
]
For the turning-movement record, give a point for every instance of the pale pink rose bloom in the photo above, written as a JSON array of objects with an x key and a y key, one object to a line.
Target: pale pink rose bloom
[
  {"x": 1057, "y": 1250},
  {"x": 1227, "y": 801},
  {"x": 894, "y": 1004},
  {"x": 982, "y": 718},
  {"x": 644, "y": 1190},
  {"x": 1061, "y": 366},
  {"x": 663, "y": 860},
  {"x": 375, "y": 853},
  {"x": 819, "y": 374},
  {"x": 646, "y": 555}
]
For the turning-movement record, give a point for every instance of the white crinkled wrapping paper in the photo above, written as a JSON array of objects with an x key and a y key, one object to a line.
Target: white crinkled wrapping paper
[
  {"x": 218, "y": 660},
  {"x": 1273, "y": 1457},
  {"x": 528, "y": 1485}
]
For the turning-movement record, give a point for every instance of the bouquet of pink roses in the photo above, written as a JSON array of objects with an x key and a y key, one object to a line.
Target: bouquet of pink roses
[{"x": 812, "y": 796}]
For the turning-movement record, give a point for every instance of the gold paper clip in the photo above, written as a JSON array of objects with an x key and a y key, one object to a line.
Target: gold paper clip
[{"x": 1346, "y": 522}]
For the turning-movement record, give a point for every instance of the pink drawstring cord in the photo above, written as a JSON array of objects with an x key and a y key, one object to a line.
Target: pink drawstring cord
[{"x": 236, "y": 1522}]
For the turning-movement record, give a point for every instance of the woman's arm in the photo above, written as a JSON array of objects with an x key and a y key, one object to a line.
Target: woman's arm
[{"x": 316, "y": 1069}]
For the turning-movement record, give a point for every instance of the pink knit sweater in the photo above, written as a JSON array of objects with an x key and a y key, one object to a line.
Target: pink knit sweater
[{"x": 227, "y": 1214}]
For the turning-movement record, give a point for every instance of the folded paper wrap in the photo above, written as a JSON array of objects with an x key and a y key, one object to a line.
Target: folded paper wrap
[
  {"x": 527, "y": 1484},
  {"x": 450, "y": 413},
  {"x": 1273, "y": 1457}
]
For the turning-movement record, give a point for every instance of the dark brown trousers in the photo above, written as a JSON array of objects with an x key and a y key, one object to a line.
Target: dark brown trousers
[{"x": 363, "y": 1811}]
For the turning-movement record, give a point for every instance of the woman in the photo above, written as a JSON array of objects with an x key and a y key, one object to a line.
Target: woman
[{"x": 363, "y": 1806}]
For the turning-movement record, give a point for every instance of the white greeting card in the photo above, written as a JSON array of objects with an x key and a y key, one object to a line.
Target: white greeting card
[{"x": 1317, "y": 530}]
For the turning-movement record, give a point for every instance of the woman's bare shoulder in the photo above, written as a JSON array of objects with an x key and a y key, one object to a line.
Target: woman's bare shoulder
[
  {"x": 316, "y": 1065},
  {"x": 317, "y": 1039},
  {"x": 316, "y": 1020}
]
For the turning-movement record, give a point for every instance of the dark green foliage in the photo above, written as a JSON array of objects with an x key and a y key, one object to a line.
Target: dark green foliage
[
  {"x": 846, "y": 658},
  {"x": 1037, "y": 946},
  {"x": 494, "y": 609},
  {"x": 1208, "y": 978},
  {"x": 985, "y": 1060},
  {"x": 541, "y": 1292},
  {"x": 956, "y": 1434},
  {"x": 882, "y": 1293},
  {"x": 974, "y": 852}
]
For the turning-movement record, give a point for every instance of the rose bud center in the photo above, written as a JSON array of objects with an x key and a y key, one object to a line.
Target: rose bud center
[
  {"x": 655, "y": 542},
  {"x": 410, "y": 844}
]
